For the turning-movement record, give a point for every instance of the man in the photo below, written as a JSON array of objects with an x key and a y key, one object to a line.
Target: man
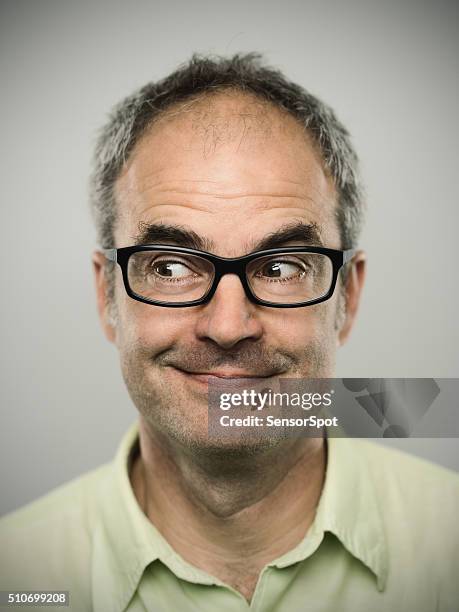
[{"x": 227, "y": 159}]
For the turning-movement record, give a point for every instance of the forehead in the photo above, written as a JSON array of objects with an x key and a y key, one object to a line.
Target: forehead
[{"x": 227, "y": 165}]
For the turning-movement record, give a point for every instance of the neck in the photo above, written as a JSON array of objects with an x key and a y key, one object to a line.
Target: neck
[{"x": 232, "y": 514}]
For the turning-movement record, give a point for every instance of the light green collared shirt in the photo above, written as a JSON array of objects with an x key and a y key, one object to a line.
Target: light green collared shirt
[{"x": 385, "y": 538}]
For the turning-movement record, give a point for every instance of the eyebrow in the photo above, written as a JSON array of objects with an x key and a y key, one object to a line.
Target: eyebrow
[
  {"x": 306, "y": 233},
  {"x": 177, "y": 235}
]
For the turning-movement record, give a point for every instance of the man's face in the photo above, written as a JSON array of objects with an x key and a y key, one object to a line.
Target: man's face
[{"x": 233, "y": 171}]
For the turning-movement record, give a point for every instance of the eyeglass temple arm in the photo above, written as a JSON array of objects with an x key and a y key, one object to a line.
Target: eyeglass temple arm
[
  {"x": 110, "y": 254},
  {"x": 348, "y": 255}
]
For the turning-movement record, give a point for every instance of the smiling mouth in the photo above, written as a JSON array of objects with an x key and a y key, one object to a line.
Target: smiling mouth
[{"x": 221, "y": 375}]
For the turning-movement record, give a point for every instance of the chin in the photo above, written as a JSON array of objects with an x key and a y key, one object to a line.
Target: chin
[{"x": 242, "y": 445}]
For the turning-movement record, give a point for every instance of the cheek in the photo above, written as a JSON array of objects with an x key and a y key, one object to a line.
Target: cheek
[
  {"x": 310, "y": 336},
  {"x": 300, "y": 326},
  {"x": 153, "y": 327}
]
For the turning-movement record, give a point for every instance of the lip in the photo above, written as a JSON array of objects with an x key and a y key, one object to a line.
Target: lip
[{"x": 220, "y": 375}]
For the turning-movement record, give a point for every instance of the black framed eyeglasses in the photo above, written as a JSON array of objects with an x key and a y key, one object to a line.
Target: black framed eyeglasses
[{"x": 175, "y": 276}]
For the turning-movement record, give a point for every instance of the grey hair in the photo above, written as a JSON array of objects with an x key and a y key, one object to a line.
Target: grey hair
[{"x": 203, "y": 75}]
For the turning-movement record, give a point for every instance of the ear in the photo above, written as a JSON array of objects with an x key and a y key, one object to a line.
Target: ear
[
  {"x": 99, "y": 266},
  {"x": 353, "y": 290}
]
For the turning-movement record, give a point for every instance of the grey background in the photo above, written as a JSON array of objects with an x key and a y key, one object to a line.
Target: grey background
[{"x": 390, "y": 71}]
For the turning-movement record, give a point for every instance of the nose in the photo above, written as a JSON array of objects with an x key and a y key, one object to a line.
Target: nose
[{"x": 230, "y": 316}]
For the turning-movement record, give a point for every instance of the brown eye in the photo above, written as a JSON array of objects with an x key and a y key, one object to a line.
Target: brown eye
[
  {"x": 280, "y": 270},
  {"x": 171, "y": 269}
]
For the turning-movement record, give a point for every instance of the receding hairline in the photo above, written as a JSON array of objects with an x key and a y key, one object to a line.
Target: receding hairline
[
  {"x": 199, "y": 79},
  {"x": 268, "y": 115},
  {"x": 218, "y": 94}
]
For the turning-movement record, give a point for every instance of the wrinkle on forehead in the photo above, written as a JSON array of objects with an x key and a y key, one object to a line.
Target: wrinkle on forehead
[
  {"x": 226, "y": 132},
  {"x": 183, "y": 192}
]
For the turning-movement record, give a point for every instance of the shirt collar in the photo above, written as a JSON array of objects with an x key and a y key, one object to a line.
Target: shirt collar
[
  {"x": 126, "y": 542},
  {"x": 349, "y": 508}
]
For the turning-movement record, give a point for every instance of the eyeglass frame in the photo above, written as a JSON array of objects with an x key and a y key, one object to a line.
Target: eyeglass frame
[{"x": 228, "y": 265}]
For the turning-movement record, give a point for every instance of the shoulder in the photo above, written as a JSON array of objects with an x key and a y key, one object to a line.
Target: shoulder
[
  {"x": 399, "y": 471},
  {"x": 70, "y": 501},
  {"x": 417, "y": 500},
  {"x": 48, "y": 542}
]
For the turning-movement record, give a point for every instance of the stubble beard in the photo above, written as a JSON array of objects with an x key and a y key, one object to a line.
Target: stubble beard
[{"x": 176, "y": 415}]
